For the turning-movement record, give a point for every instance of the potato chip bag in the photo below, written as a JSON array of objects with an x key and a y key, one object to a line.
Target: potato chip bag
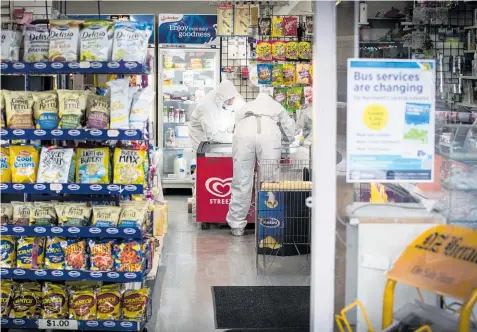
[
  {"x": 30, "y": 252},
  {"x": 128, "y": 256},
  {"x": 278, "y": 50},
  {"x": 304, "y": 50},
  {"x": 289, "y": 73},
  {"x": 135, "y": 304},
  {"x": 119, "y": 94},
  {"x": 291, "y": 50},
  {"x": 109, "y": 302},
  {"x": 294, "y": 98},
  {"x": 277, "y": 75},
  {"x": 6, "y": 298},
  {"x": 23, "y": 163},
  {"x": 45, "y": 109},
  {"x": 54, "y": 253},
  {"x": 75, "y": 254},
  {"x": 264, "y": 51},
  {"x": 72, "y": 105},
  {"x": 303, "y": 73},
  {"x": 2, "y": 110},
  {"x": 55, "y": 165},
  {"x": 82, "y": 304},
  {"x": 105, "y": 216},
  {"x": 277, "y": 27},
  {"x": 130, "y": 41},
  {"x": 290, "y": 26},
  {"x": 6, "y": 213},
  {"x": 21, "y": 213},
  {"x": 7, "y": 251},
  {"x": 264, "y": 72},
  {"x": 55, "y": 301},
  {"x": 42, "y": 213},
  {"x": 64, "y": 40},
  {"x": 101, "y": 255},
  {"x": 97, "y": 111},
  {"x": 96, "y": 40},
  {"x": 11, "y": 40},
  {"x": 141, "y": 108},
  {"x": 5, "y": 172},
  {"x": 27, "y": 301},
  {"x": 280, "y": 95},
  {"x": 133, "y": 215},
  {"x": 129, "y": 166},
  {"x": 74, "y": 215},
  {"x": 19, "y": 109},
  {"x": 92, "y": 165},
  {"x": 36, "y": 43}
]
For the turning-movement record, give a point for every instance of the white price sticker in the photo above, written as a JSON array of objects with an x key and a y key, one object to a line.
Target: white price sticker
[
  {"x": 57, "y": 324},
  {"x": 56, "y": 187}
]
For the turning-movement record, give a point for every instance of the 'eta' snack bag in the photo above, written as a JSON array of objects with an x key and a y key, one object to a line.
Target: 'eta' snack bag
[
  {"x": 75, "y": 254},
  {"x": 45, "y": 109},
  {"x": 6, "y": 213},
  {"x": 30, "y": 252},
  {"x": 5, "y": 172},
  {"x": 36, "y": 43},
  {"x": 92, "y": 165},
  {"x": 64, "y": 40},
  {"x": 24, "y": 163},
  {"x": 277, "y": 27},
  {"x": 97, "y": 111},
  {"x": 7, "y": 251},
  {"x": 130, "y": 41},
  {"x": 135, "y": 303},
  {"x": 105, "y": 216},
  {"x": 21, "y": 213},
  {"x": 119, "y": 103},
  {"x": 55, "y": 165},
  {"x": 96, "y": 40},
  {"x": 82, "y": 304},
  {"x": 141, "y": 108},
  {"x": 264, "y": 51},
  {"x": 72, "y": 104},
  {"x": 101, "y": 255},
  {"x": 55, "y": 301},
  {"x": 54, "y": 254},
  {"x": 264, "y": 73},
  {"x": 109, "y": 302},
  {"x": 129, "y": 166},
  {"x": 42, "y": 213},
  {"x": 19, "y": 109}
]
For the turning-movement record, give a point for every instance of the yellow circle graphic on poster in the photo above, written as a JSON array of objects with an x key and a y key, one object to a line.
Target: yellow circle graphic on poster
[{"x": 375, "y": 116}]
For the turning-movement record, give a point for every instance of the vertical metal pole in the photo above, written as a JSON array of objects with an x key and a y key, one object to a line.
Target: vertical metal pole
[{"x": 324, "y": 168}]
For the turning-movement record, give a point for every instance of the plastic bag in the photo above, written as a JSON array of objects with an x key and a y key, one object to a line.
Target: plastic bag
[
  {"x": 294, "y": 98},
  {"x": 264, "y": 51},
  {"x": 105, "y": 216},
  {"x": 19, "y": 109},
  {"x": 54, "y": 254},
  {"x": 289, "y": 74},
  {"x": 128, "y": 256},
  {"x": 5, "y": 171},
  {"x": 119, "y": 117},
  {"x": 304, "y": 50},
  {"x": 55, "y": 165},
  {"x": 82, "y": 304},
  {"x": 290, "y": 25},
  {"x": 36, "y": 43},
  {"x": 75, "y": 254},
  {"x": 72, "y": 104},
  {"x": 277, "y": 75},
  {"x": 109, "y": 302},
  {"x": 277, "y": 27},
  {"x": 73, "y": 214},
  {"x": 42, "y": 213},
  {"x": 129, "y": 166},
  {"x": 280, "y": 96},
  {"x": 27, "y": 301},
  {"x": 7, "y": 251},
  {"x": 92, "y": 165},
  {"x": 101, "y": 255},
  {"x": 6, "y": 298},
  {"x": 64, "y": 40},
  {"x": 291, "y": 50},
  {"x": 45, "y": 109},
  {"x": 278, "y": 50},
  {"x": 130, "y": 41},
  {"x": 96, "y": 40},
  {"x": 97, "y": 111},
  {"x": 303, "y": 73},
  {"x": 24, "y": 163},
  {"x": 264, "y": 26},
  {"x": 135, "y": 304},
  {"x": 133, "y": 214},
  {"x": 30, "y": 252},
  {"x": 21, "y": 213},
  {"x": 141, "y": 108},
  {"x": 11, "y": 40},
  {"x": 54, "y": 302},
  {"x": 264, "y": 73}
]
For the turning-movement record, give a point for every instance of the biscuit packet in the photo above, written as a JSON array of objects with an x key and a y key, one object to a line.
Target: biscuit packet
[
  {"x": 128, "y": 256},
  {"x": 27, "y": 301},
  {"x": 36, "y": 43},
  {"x": 23, "y": 163},
  {"x": 277, "y": 27},
  {"x": 42, "y": 214},
  {"x": 56, "y": 165},
  {"x": 30, "y": 252},
  {"x": 6, "y": 213},
  {"x": 97, "y": 111},
  {"x": 101, "y": 255},
  {"x": 75, "y": 254},
  {"x": 92, "y": 165},
  {"x": 54, "y": 254},
  {"x": 96, "y": 40},
  {"x": 109, "y": 302},
  {"x": 72, "y": 105},
  {"x": 264, "y": 51},
  {"x": 55, "y": 301},
  {"x": 82, "y": 304},
  {"x": 21, "y": 213},
  {"x": 135, "y": 304},
  {"x": 119, "y": 94},
  {"x": 19, "y": 109},
  {"x": 105, "y": 216},
  {"x": 7, "y": 251},
  {"x": 64, "y": 40},
  {"x": 130, "y": 41},
  {"x": 6, "y": 298},
  {"x": 129, "y": 166},
  {"x": 45, "y": 109},
  {"x": 5, "y": 171}
]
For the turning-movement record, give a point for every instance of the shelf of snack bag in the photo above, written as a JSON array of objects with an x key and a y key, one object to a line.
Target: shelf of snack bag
[
  {"x": 82, "y": 67},
  {"x": 71, "y": 134}
]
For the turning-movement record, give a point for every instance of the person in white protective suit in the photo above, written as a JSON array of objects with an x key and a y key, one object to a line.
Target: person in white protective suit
[
  {"x": 213, "y": 119},
  {"x": 303, "y": 135},
  {"x": 259, "y": 126}
]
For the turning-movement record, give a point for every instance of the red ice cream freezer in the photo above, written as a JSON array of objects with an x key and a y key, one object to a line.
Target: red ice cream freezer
[{"x": 213, "y": 183}]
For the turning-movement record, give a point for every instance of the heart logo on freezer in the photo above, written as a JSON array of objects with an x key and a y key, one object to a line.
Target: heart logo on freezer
[{"x": 219, "y": 187}]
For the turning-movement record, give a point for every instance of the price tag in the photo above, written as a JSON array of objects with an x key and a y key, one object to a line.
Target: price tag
[
  {"x": 56, "y": 187},
  {"x": 57, "y": 324},
  {"x": 113, "y": 133}
]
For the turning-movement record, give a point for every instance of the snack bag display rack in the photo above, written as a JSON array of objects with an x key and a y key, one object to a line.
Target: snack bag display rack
[{"x": 78, "y": 192}]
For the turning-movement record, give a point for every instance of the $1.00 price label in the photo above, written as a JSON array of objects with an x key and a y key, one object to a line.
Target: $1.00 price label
[{"x": 58, "y": 324}]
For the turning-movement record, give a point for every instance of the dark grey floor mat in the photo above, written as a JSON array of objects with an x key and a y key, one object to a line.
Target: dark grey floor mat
[{"x": 262, "y": 307}]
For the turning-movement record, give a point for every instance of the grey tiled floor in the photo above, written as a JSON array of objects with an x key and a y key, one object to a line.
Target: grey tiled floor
[{"x": 194, "y": 260}]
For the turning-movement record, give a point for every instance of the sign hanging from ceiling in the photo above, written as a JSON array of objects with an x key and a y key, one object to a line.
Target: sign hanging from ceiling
[{"x": 188, "y": 29}]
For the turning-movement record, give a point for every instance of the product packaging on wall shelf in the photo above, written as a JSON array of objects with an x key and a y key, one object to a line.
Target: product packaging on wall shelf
[
  {"x": 225, "y": 20},
  {"x": 11, "y": 41},
  {"x": 36, "y": 43},
  {"x": 241, "y": 20},
  {"x": 96, "y": 40},
  {"x": 308, "y": 93},
  {"x": 290, "y": 26},
  {"x": 61, "y": 48},
  {"x": 277, "y": 27},
  {"x": 264, "y": 51},
  {"x": 264, "y": 73},
  {"x": 265, "y": 26}
]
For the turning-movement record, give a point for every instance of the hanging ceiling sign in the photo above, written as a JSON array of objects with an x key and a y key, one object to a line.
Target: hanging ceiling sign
[{"x": 188, "y": 29}]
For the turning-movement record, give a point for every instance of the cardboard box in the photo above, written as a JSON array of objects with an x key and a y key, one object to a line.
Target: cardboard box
[{"x": 160, "y": 218}]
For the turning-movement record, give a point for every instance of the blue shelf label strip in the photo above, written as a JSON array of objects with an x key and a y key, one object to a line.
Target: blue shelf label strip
[
  {"x": 67, "y": 275},
  {"x": 104, "y": 325},
  {"x": 72, "y": 188},
  {"x": 83, "y": 67},
  {"x": 73, "y": 231},
  {"x": 72, "y": 134}
]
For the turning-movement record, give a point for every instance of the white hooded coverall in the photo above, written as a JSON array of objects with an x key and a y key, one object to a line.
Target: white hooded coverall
[{"x": 257, "y": 136}]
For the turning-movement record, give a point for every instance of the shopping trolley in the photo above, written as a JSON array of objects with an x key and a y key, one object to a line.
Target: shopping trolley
[{"x": 282, "y": 219}]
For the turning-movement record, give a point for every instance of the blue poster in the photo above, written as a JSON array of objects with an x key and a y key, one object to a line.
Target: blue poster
[{"x": 188, "y": 29}]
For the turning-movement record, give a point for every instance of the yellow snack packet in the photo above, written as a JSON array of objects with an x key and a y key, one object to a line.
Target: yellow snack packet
[
  {"x": 24, "y": 163},
  {"x": 92, "y": 165},
  {"x": 135, "y": 303},
  {"x": 55, "y": 301},
  {"x": 5, "y": 172},
  {"x": 19, "y": 108},
  {"x": 109, "y": 302},
  {"x": 129, "y": 166}
]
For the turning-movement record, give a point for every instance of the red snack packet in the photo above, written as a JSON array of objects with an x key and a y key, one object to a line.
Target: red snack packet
[{"x": 290, "y": 24}]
